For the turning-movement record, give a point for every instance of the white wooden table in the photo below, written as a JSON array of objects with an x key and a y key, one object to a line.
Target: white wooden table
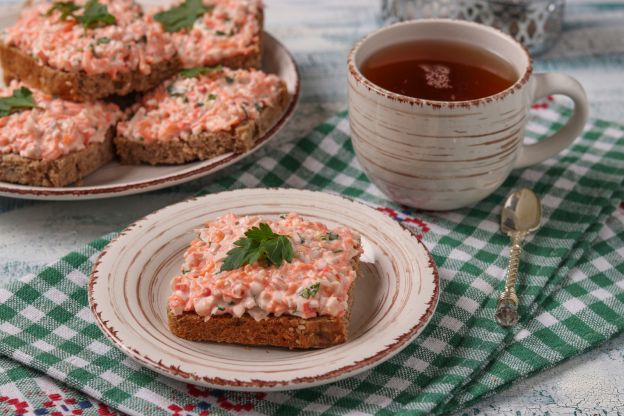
[{"x": 320, "y": 33}]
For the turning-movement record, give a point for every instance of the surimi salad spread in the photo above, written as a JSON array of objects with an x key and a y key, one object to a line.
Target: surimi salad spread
[
  {"x": 114, "y": 36},
  {"x": 313, "y": 279},
  {"x": 227, "y": 29},
  {"x": 218, "y": 100},
  {"x": 53, "y": 127}
]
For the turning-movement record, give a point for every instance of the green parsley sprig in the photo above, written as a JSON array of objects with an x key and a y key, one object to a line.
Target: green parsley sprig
[
  {"x": 65, "y": 8},
  {"x": 21, "y": 99},
  {"x": 259, "y": 244},
  {"x": 94, "y": 13},
  {"x": 200, "y": 70},
  {"x": 182, "y": 16}
]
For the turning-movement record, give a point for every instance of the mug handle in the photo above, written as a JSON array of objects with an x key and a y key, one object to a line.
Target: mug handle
[{"x": 549, "y": 84}]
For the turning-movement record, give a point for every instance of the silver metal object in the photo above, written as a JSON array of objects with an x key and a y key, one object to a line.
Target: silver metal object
[
  {"x": 521, "y": 215},
  {"x": 535, "y": 23}
]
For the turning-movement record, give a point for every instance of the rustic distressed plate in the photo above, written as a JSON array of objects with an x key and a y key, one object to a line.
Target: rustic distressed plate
[
  {"x": 395, "y": 296},
  {"x": 115, "y": 179}
]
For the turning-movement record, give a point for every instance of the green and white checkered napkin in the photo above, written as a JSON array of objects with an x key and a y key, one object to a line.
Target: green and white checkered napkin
[{"x": 571, "y": 289}]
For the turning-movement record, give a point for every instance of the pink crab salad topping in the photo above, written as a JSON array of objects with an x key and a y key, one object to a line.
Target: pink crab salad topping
[
  {"x": 212, "y": 102},
  {"x": 133, "y": 42},
  {"x": 315, "y": 283},
  {"x": 54, "y": 127}
]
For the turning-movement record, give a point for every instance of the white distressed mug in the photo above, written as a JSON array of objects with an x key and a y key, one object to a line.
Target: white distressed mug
[{"x": 440, "y": 155}]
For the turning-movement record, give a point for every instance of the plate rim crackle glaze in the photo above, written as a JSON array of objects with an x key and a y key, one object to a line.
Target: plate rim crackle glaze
[
  {"x": 271, "y": 48},
  {"x": 418, "y": 257}
]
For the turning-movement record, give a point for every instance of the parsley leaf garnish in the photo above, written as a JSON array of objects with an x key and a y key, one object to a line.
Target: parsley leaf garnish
[
  {"x": 102, "y": 41},
  {"x": 229, "y": 80},
  {"x": 66, "y": 8},
  {"x": 199, "y": 70},
  {"x": 212, "y": 97},
  {"x": 96, "y": 14},
  {"x": 259, "y": 244},
  {"x": 20, "y": 100},
  {"x": 310, "y": 292},
  {"x": 330, "y": 236},
  {"x": 182, "y": 16}
]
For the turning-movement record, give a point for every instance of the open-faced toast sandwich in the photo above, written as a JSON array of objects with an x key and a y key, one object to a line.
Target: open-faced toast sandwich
[
  {"x": 248, "y": 280},
  {"x": 202, "y": 113},
  {"x": 83, "y": 50},
  {"x": 46, "y": 141}
]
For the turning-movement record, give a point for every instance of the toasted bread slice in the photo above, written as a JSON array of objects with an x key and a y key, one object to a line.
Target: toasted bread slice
[
  {"x": 59, "y": 172},
  {"x": 78, "y": 86},
  {"x": 203, "y": 145}
]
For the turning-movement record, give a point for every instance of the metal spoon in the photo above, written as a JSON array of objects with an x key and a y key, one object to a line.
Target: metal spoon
[{"x": 521, "y": 215}]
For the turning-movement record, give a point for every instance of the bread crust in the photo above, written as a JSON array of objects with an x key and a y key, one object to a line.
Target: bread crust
[
  {"x": 252, "y": 60},
  {"x": 78, "y": 86},
  {"x": 59, "y": 172},
  {"x": 205, "y": 145},
  {"x": 287, "y": 331},
  {"x": 284, "y": 331}
]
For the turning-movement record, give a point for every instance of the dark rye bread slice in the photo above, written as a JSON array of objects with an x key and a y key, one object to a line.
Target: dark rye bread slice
[
  {"x": 287, "y": 331},
  {"x": 205, "y": 145},
  {"x": 78, "y": 86},
  {"x": 59, "y": 172}
]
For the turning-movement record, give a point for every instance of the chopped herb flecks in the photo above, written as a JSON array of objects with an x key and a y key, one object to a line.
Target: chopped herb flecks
[
  {"x": 330, "y": 236},
  {"x": 310, "y": 292}
]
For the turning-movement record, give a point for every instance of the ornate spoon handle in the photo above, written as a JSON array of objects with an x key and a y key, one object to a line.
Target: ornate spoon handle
[{"x": 507, "y": 305}]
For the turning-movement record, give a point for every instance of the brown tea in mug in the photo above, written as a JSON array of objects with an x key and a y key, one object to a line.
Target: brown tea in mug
[{"x": 439, "y": 70}]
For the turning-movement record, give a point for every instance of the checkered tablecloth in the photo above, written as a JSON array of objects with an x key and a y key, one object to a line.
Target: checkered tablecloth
[{"x": 571, "y": 290}]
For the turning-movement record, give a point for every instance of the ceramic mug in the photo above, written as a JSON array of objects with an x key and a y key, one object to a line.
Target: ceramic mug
[{"x": 440, "y": 155}]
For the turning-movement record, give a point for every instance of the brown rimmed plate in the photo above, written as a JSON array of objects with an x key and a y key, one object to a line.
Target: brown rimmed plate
[
  {"x": 115, "y": 179},
  {"x": 394, "y": 298}
]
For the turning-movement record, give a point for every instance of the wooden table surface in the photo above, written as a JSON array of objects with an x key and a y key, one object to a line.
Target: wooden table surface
[{"x": 320, "y": 33}]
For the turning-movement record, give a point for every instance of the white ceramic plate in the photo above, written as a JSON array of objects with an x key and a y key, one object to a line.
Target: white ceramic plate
[
  {"x": 395, "y": 295},
  {"x": 115, "y": 179}
]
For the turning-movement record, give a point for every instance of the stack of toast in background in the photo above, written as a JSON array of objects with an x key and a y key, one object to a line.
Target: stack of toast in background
[{"x": 189, "y": 70}]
